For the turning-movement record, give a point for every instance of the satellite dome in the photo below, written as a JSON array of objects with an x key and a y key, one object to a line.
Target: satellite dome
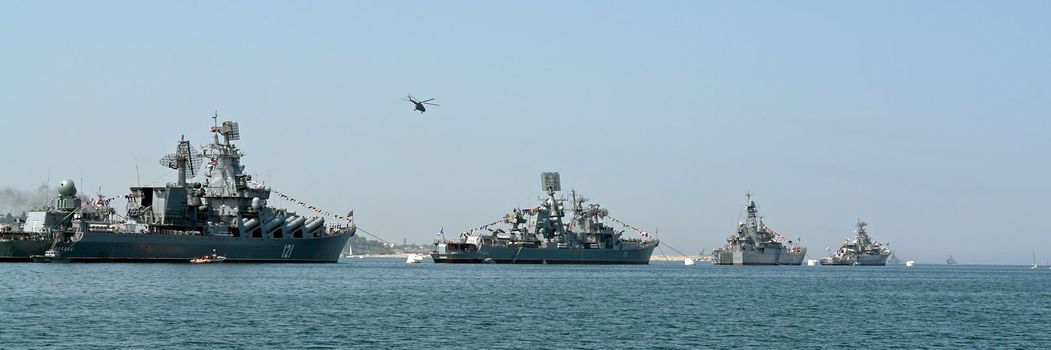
[{"x": 67, "y": 188}]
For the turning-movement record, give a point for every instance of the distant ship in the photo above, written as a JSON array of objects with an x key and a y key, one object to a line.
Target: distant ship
[
  {"x": 950, "y": 260},
  {"x": 755, "y": 243},
  {"x": 539, "y": 236},
  {"x": 226, "y": 214},
  {"x": 348, "y": 251},
  {"x": 893, "y": 259},
  {"x": 861, "y": 251}
]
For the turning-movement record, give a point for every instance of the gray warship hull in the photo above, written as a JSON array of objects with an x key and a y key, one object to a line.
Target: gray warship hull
[
  {"x": 860, "y": 260},
  {"x": 144, "y": 247},
  {"x": 513, "y": 255},
  {"x": 791, "y": 258},
  {"x": 21, "y": 250},
  {"x": 748, "y": 257}
]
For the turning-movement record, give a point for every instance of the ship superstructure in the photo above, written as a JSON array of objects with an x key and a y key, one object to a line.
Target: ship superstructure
[
  {"x": 540, "y": 236},
  {"x": 226, "y": 213},
  {"x": 862, "y": 250}
]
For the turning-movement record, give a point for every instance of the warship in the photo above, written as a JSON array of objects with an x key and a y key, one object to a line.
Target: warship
[
  {"x": 225, "y": 214},
  {"x": 35, "y": 234},
  {"x": 540, "y": 236},
  {"x": 22, "y": 240},
  {"x": 861, "y": 251},
  {"x": 755, "y": 243},
  {"x": 894, "y": 260}
]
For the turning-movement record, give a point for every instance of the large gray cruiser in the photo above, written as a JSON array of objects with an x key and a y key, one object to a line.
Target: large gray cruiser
[
  {"x": 539, "y": 236},
  {"x": 861, "y": 251},
  {"x": 226, "y": 214}
]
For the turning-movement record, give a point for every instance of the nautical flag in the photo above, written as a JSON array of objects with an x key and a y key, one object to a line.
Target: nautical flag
[
  {"x": 441, "y": 232},
  {"x": 350, "y": 214}
]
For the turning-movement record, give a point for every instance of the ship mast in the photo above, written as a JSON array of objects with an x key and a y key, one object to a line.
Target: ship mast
[
  {"x": 181, "y": 154},
  {"x": 863, "y": 237}
]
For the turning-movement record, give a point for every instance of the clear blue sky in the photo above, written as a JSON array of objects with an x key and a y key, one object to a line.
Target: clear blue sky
[{"x": 928, "y": 119}]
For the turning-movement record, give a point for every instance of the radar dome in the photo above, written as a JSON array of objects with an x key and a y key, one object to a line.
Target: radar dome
[{"x": 67, "y": 188}]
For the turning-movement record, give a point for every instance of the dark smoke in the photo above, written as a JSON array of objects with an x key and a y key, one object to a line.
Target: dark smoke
[{"x": 15, "y": 201}]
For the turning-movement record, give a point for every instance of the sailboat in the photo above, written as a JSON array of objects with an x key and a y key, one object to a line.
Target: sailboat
[
  {"x": 1034, "y": 267},
  {"x": 349, "y": 251}
]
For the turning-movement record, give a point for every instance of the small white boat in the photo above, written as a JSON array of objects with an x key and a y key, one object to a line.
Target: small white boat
[
  {"x": 689, "y": 261},
  {"x": 50, "y": 255},
  {"x": 909, "y": 263},
  {"x": 414, "y": 259},
  {"x": 811, "y": 262}
]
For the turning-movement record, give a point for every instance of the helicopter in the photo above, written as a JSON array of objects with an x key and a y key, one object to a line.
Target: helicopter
[{"x": 419, "y": 104}]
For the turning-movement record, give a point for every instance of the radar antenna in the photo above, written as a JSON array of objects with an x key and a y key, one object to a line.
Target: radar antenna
[
  {"x": 184, "y": 154},
  {"x": 230, "y": 130},
  {"x": 550, "y": 181}
]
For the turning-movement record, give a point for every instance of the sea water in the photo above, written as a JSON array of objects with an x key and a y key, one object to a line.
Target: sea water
[{"x": 385, "y": 303}]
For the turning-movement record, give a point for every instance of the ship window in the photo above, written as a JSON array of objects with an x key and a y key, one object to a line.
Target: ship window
[{"x": 147, "y": 198}]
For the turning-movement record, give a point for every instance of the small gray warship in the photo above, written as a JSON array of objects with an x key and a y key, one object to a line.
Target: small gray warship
[
  {"x": 19, "y": 242},
  {"x": 539, "y": 236},
  {"x": 862, "y": 251},
  {"x": 226, "y": 214},
  {"x": 34, "y": 235},
  {"x": 755, "y": 243}
]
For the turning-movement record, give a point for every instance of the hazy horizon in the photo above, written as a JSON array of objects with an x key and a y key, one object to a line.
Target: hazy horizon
[{"x": 925, "y": 119}]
